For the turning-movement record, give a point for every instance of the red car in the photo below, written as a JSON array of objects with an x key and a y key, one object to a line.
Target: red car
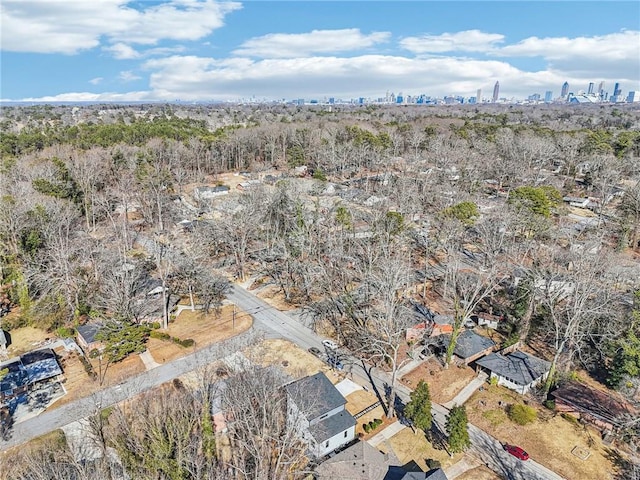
[{"x": 517, "y": 452}]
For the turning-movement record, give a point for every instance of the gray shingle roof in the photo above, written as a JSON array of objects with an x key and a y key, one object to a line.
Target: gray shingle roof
[
  {"x": 470, "y": 343},
  {"x": 519, "y": 367},
  {"x": 315, "y": 395},
  {"x": 88, "y": 332},
  {"x": 361, "y": 461},
  {"x": 331, "y": 426}
]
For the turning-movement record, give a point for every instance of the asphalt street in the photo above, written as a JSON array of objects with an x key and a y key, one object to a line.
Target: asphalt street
[{"x": 272, "y": 323}]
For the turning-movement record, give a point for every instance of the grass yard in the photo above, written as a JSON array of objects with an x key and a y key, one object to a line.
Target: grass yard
[
  {"x": 549, "y": 440},
  {"x": 295, "y": 361},
  {"x": 118, "y": 372},
  {"x": 25, "y": 339},
  {"x": 479, "y": 473},
  {"x": 203, "y": 329},
  {"x": 444, "y": 383},
  {"x": 77, "y": 382},
  {"x": 409, "y": 446}
]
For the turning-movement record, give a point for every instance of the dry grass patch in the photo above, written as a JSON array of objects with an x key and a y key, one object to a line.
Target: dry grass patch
[
  {"x": 444, "y": 383},
  {"x": 549, "y": 440},
  {"x": 479, "y": 473},
  {"x": 25, "y": 339},
  {"x": 292, "y": 359},
  {"x": 121, "y": 371},
  {"x": 77, "y": 382},
  {"x": 204, "y": 329},
  {"x": 409, "y": 446}
]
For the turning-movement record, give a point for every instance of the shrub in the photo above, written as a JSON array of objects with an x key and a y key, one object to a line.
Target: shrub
[
  {"x": 189, "y": 342},
  {"x": 432, "y": 463},
  {"x": 160, "y": 335},
  {"x": 155, "y": 325},
  {"x": 366, "y": 428},
  {"x": 550, "y": 404},
  {"x": 65, "y": 332},
  {"x": 88, "y": 368},
  {"x": 522, "y": 414},
  {"x": 570, "y": 418},
  {"x": 493, "y": 381},
  {"x": 377, "y": 422}
]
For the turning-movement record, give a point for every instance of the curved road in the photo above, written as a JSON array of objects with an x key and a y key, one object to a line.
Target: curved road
[{"x": 273, "y": 324}]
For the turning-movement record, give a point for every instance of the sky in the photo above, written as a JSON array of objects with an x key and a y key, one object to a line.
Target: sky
[{"x": 207, "y": 50}]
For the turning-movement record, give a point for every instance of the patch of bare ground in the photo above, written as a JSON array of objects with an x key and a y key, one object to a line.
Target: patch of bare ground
[
  {"x": 549, "y": 440},
  {"x": 75, "y": 379},
  {"x": 479, "y": 473},
  {"x": 204, "y": 329},
  {"x": 292, "y": 359},
  {"x": 118, "y": 372},
  {"x": 24, "y": 339},
  {"x": 414, "y": 447},
  {"x": 444, "y": 383},
  {"x": 274, "y": 297}
]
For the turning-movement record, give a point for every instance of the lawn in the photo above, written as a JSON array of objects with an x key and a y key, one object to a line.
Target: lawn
[
  {"x": 549, "y": 440},
  {"x": 25, "y": 339},
  {"x": 204, "y": 329},
  {"x": 414, "y": 447},
  {"x": 444, "y": 383},
  {"x": 479, "y": 473},
  {"x": 76, "y": 381}
]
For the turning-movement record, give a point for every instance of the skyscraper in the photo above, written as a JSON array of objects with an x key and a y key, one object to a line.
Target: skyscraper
[
  {"x": 496, "y": 92},
  {"x": 548, "y": 96},
  {"x": 565, "y": 90},
  {"x": 616, "y": 89},
  {"x": 479, "y": 96},
  {"x": 591, "y": 87}
]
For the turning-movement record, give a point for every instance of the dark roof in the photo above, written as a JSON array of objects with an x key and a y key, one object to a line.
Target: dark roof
[
  {"x": 360, "y": 461},
  {"x": 519, "y": 367},
  {"x": 16, "y": 378},
  {"x": 88, "y": 332},
  {"x": 40, "y": 365},
  {"x": 437, "y": 474},
  {"x": 470, "y": 343},
  {"x": 315, "y": 395},
  {"x": 596, "y": 402},
  {"x": 332, "y": 425}
]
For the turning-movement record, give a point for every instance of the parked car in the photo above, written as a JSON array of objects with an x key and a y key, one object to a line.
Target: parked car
[
  {"x": 516, "y": 452},
  {"x": 336, "y": 363},
  {"x": 330, "y": 344},
  {"x": 315, "y": 351}
]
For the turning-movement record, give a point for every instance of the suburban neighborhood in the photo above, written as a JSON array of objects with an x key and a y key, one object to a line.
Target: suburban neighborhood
[{"x": 293, "y": 292}]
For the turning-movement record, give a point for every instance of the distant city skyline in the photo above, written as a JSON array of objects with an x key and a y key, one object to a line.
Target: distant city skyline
[{"x": 203, "y": 50}]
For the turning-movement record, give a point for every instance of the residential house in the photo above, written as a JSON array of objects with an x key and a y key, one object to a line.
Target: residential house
[
  {"x": 518, "y": 371},
  {"x": 431, "y": 324},
  {"x": 207, "y": 192},
  {"x": 605, "y": 410},
  {"x": 30, "y": 368},
  {"x": 317, "y": 410},
  {"x": 86, "y": 336},
  {"x": 471, "y": 346},
  {"x": 361, "y": 461},
  {"x": 488, "y": 320},
  {"x": 249, "y": 184},
  {"x": 579, "y": 202}
]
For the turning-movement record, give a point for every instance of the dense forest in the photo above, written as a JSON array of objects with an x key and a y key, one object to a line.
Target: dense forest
[{"x": 355, "y": 212}]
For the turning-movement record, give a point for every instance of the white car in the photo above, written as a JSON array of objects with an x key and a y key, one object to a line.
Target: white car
[{"x": 331, "y": 345}]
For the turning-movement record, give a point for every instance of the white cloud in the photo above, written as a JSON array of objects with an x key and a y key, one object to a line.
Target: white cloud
[
  {"x": 128, "y": 76},
  {"x": 93, "y": 97},
  {"x": 284, "y": 45},
  {"x": 122, "y": 51},
  {"x": 466, "y": 41},
  {"x": 70, "y": 26},
  {"x": 96, "y": 81},
  {"x": 193, "y": 78}
]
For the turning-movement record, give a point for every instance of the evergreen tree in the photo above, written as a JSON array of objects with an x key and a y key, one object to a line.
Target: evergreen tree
[
  {"x": 457, "y": 429},
  {"x": 418, "y": 410}
]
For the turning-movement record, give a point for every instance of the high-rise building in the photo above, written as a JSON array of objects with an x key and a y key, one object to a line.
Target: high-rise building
[
  {"x": 590, "y": 89},
  {"x": 496, "y": 92},
  {"x": 634, "y": 96},
  {"x": 565, "y": 90},
  {"x": 616, "y": 89},
  {"x": 548, "y": 96},
  {"x": 479, "y": 96},
  {"x": 601, "y": 87}
]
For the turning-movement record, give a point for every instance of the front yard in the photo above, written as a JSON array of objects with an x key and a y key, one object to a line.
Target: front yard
[
  {"x": 444, "y": 383},
  {"x": 549, "y": 440}
]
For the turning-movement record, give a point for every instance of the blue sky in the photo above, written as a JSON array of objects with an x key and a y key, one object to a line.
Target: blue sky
[{"x": 119, "y": 50}]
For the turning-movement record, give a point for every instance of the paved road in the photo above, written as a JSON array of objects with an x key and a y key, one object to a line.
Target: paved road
[
  {"x": 274, "y": 324},
  {"x": 277, "y": 324},
  {"x": 51, "y": 420}
]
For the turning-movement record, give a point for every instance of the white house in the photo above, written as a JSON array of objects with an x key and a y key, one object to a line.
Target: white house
[
  {"x": 207, "y": 193},
  {"x": 518, "y": 371},
  {"x": 316, "y": 408}
]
